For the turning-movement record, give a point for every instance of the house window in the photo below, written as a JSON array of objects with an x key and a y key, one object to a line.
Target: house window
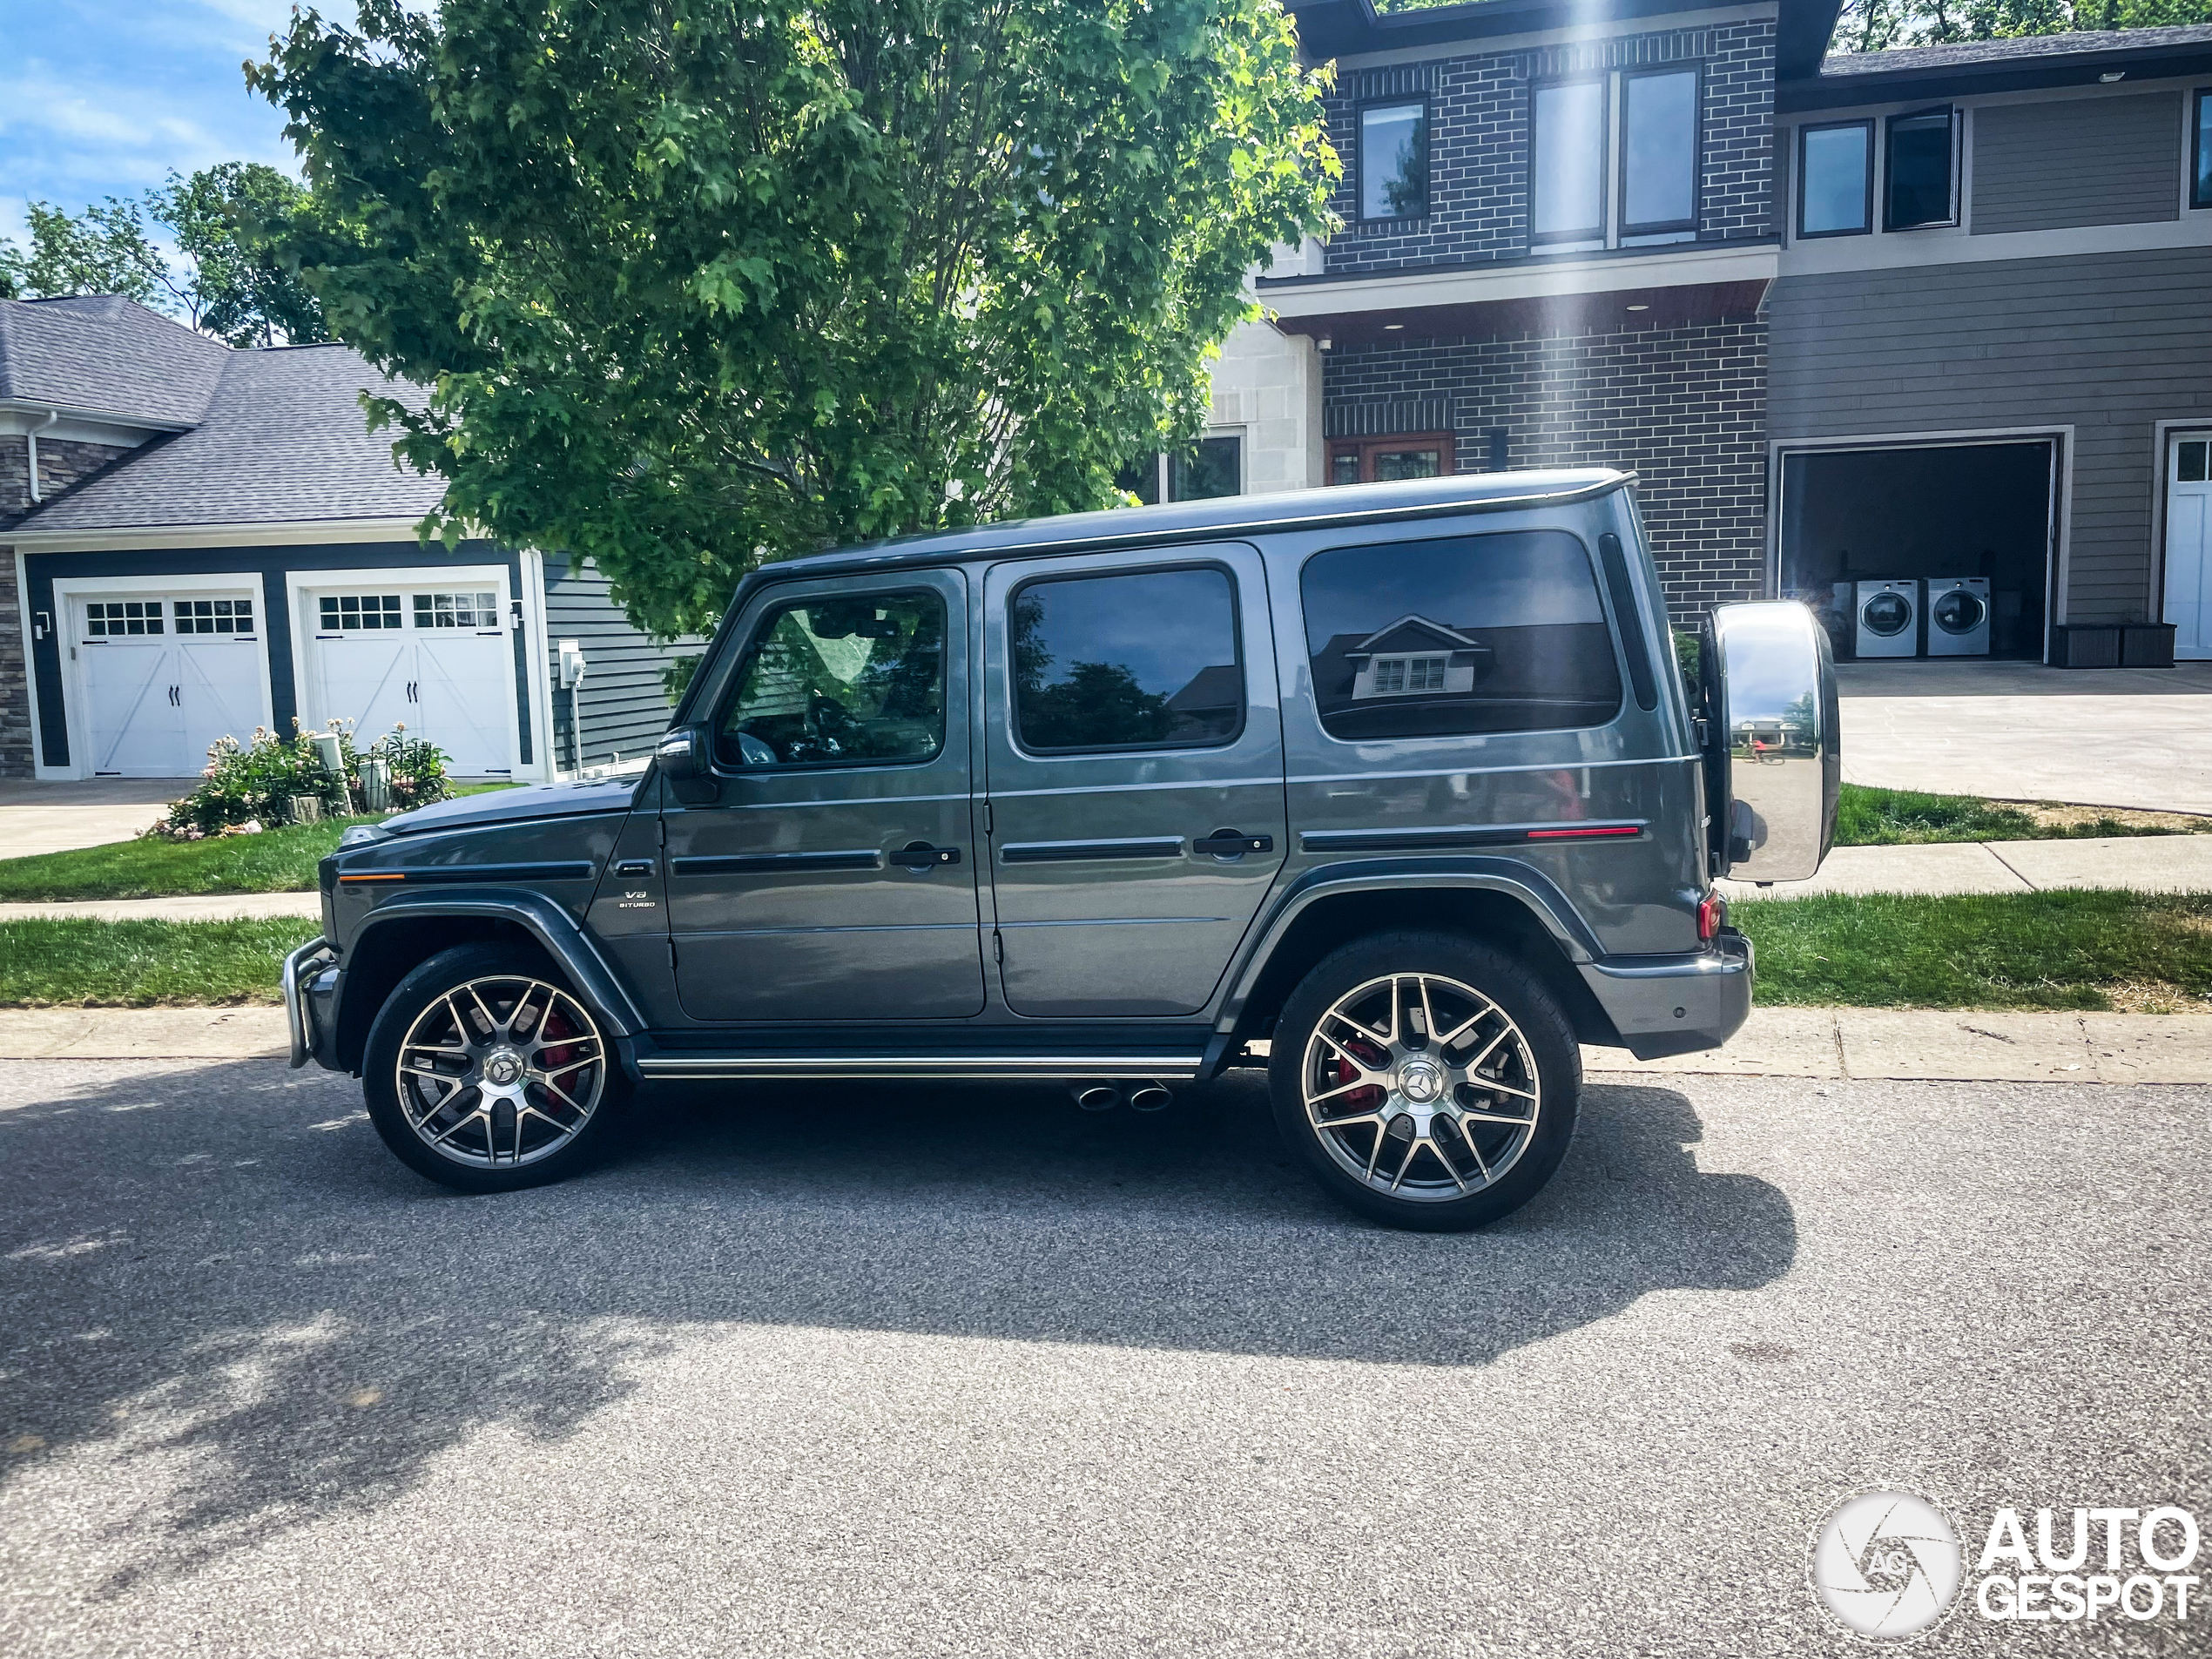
[
  {"x": 1393, "y": 160},
  {"x": 2200, "y": 173},
  {"x": 1134, "y": 659},
  {"x": 1208, "y": 468},
  {"x": 1919, "y": 172},
  {"x": 1568, "y": 163},
  {"x": 112, "y": 618},
  {"x": 1381, "y": 460},
  {"x": 214, "y": 615},
  {"x": 1659, "y": 152},
  {"x": 456, "y": 611},
  {"x": 346, "y": 612},
  {"x": 1502, "y": 632},
  {"x": 1836, "y": 180}
]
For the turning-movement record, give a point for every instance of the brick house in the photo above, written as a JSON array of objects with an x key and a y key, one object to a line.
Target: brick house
[
  {"x": 195, "y": 541},
  {"x": 1929, "y": 317}
]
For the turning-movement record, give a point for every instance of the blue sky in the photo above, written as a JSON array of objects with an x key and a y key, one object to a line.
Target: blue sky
[{"x": 102, "y": 97}]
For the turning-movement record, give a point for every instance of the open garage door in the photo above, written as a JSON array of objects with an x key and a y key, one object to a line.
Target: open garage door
[
  {"x": 1966, "y": 528},
  {"x": 160, "y": 677},
  {"x": 437, "y": 659}
]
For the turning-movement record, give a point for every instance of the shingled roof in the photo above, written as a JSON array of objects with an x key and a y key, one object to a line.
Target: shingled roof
[
  {"x": 279, "y": 437},
  {"x": 2015, "y": 49},
  {"x": 105, "y": 355}
]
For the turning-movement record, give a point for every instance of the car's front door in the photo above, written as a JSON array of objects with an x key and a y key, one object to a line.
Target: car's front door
[
  {"x": 1133, "y": 773},
  {"x": 833, "y": 878}
]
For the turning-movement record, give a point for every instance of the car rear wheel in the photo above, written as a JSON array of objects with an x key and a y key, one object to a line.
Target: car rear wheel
[
  {"x": 485, "y": 1072},
  {"x": 1427, "y": 1082}
]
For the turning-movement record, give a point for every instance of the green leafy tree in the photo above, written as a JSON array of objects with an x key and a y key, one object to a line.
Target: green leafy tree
[
  {"x": 105, "y": 250},
  {"x": 230, "y": 284},
  {"x": 695, "y": 283}
]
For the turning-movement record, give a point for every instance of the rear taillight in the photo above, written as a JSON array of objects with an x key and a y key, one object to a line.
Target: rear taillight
[{"x": 1712, "y": 916}]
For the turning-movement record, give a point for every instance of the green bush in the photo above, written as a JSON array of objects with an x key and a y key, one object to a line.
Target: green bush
[{"x": 256, "y": 782}]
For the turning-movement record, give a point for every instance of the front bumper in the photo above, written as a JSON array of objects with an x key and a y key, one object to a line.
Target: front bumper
[
  {"x": 1668, "y": 1005},
  {"x": 310, "y": 1003}
]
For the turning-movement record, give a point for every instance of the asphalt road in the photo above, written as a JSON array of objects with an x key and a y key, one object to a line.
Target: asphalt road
[{"x": 818, "y": 1371}]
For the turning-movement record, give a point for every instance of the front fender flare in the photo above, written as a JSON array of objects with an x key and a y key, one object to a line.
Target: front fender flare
[
  {"x": 554, "y": 927},
  {"x": 1524, "y": 882}
]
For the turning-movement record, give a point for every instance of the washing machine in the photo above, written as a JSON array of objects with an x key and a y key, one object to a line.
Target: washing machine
[
  {"x": 1888, "y": 615},
  {"x": 1959, "y": 616}
]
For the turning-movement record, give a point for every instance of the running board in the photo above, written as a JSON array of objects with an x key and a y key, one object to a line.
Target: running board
[{"x": 942, "y": 1066}]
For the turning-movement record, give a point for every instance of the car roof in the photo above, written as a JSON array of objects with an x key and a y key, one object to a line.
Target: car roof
[{"x": 1222, "y": 518}]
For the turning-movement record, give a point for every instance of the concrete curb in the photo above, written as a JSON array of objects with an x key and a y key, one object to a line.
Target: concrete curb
[{"x": 1894, "y": 1043}]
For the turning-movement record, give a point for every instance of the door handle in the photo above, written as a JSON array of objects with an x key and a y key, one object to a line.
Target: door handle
[
  {"x": 1232, "y": 844},
  {"x": 920, "y": 855}
]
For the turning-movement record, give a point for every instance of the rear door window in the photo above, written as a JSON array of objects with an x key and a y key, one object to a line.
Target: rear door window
[
  {"x": 1138, "y": 659},
  {"x": 1467, "y": 634}
]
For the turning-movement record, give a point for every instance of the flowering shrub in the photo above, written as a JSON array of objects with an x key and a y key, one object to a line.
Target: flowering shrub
[{"x": 247, "y": 784}]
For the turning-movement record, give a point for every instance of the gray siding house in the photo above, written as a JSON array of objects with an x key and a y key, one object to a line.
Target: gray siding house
[
  {"x": 1934, "y": 319},
  {"x": 196, "y": 541}
]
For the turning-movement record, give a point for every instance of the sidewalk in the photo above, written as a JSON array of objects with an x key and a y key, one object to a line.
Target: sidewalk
[
  {"x": 2139, "y": 863},
  {"x": 1906, "y": 1043},
  {"x": 54, "y": 817}
]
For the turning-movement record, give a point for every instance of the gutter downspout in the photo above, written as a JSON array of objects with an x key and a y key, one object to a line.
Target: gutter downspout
[{"x": 30, "y": 445}]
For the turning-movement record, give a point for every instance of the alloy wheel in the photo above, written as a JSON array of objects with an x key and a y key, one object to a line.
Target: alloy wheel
[
  {"x": 1420, "y": 1087},
  {"x": 501, "y": 1071}
]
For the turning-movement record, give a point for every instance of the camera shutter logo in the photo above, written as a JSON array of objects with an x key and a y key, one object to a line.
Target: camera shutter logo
[{"x": 1887, "y": 1564}]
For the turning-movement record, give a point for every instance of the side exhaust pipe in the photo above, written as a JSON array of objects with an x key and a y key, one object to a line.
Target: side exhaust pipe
[
  {"x": 1149, "y": 1097},
  {"x": 1096, "y": 1097}
]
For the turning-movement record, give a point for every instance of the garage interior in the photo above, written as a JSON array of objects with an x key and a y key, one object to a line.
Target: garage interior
[{"x": 1925, "y": 514}]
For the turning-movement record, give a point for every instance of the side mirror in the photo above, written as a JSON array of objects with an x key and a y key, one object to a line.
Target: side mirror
[
  {"x": 682, "y": 753},
  {"x": 1774, "y": 754}
]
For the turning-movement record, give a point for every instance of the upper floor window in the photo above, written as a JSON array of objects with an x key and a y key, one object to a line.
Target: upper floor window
[
  {"x": 1920, "y": 177},
  {"x": 1588, "y": 189},
  {"x": 1836, "y": 180},
  {"x": 1393, "y": 160},
  {"x": 2201, "y": 170}
]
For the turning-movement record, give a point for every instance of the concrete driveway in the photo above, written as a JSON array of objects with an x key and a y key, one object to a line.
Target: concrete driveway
[
  {"x": 820, "y": 1372},
  {"x": 53, "y": 817},
  {"x": 2121, "y": 737}
]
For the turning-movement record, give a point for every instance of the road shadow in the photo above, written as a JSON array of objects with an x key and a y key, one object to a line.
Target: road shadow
[{"x": 216, "y": 1280}]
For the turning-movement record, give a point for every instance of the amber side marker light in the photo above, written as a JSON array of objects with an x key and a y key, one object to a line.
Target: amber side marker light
[{"x": 372, "y": 877}]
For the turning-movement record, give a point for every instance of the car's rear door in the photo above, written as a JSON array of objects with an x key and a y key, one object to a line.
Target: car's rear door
[{"x": 1133, "y": 759}]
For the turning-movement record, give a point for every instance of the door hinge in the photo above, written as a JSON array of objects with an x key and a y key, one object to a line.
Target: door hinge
[
  {"x": 988, "y": 826},
  {"x": 661, "y": 823},
  {"x": 671, "y": 954},
  {"x": 998, "y": 948}
]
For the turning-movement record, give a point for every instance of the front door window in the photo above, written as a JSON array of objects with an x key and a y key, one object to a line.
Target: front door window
[{"x": 1382, "y": 461}]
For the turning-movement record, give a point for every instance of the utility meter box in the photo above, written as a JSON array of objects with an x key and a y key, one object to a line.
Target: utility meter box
[{"x": 572, "y": 664}]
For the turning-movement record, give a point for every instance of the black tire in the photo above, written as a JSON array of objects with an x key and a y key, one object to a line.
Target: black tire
[
  {"x": 472, "y": 1162},
  {"x": 1479, "y": 1161}
]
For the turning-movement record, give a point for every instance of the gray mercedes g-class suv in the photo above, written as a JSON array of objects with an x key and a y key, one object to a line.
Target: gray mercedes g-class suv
[{"x": 1397, "y": 783}]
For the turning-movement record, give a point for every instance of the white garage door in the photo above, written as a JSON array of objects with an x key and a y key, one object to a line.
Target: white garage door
[
  {"x": 436, "y": 660},
  {"x": 160, "y": 677}
]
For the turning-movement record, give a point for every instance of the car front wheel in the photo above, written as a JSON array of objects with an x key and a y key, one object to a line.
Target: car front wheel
[
  {"x": 1427, "y": 1082},
  {"x": 485, "y": 1072}
]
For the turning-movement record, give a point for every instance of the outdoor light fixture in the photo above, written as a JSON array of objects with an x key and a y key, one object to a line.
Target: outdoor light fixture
[
  {"x": 1392, "y": 327},
  {"x": 2112, "y": 75},
  {"x": 1325, "y": 343},
  {"x": 1638, "y": 307}
]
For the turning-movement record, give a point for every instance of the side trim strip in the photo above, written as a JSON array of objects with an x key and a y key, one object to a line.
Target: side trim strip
[
  {"x": 859, "y": 858},
  {"x": 942, "y": 1066},
  {"x": 579, "y": 870},
  {"x": 1459, "y": 836},
  {"x": 1063, "y": 852}
]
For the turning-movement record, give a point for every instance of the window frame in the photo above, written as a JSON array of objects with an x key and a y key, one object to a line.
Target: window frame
[
  {"x": 1097, "y": 573},
  {"x": 1447, "y": 442},
  {"x": 1950, "y": 111},
  {"x": 1865, "y": 124},
  {"x": 1536, "y": 90},
  {"x": 1623, "y": 228},
  {"x": 776, "y": 608},
  {"x": 1428, "y": 158},
  {"x": 2199, "y": 174}
]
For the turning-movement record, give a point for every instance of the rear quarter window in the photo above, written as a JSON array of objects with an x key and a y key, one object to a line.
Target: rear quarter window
[{"x": 1471, "y": 634}]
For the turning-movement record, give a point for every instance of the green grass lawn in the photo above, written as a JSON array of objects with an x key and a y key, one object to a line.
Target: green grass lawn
[
  {"x": 2014, "y": 950},
  {"x": 74, "y": 962},
  {"x": 276, "y": 860},
  {"x": 1892, "y": 817},
  {"x": 2025, "y": 950}
]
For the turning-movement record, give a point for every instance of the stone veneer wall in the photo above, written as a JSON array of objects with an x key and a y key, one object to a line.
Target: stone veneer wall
[
  {"x": 60, "y": 464},
  {"x": 1682, "y": 408}
]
